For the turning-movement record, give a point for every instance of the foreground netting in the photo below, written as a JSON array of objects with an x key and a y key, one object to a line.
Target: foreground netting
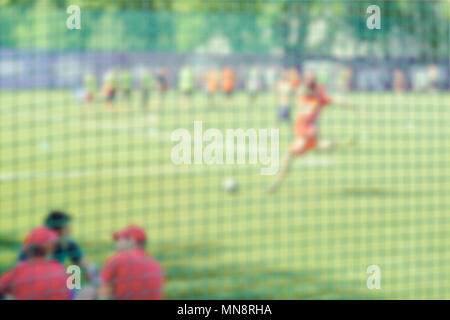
[{"x": 91, "y": 121}]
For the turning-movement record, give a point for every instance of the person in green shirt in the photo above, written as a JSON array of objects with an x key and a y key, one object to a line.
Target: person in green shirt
[
  {"x": 126, "y": 84},
  {"x": 186, "y": 82},
  {"x": 146, "y": 86},
  {"x": 66, "y": 250},
  {"x": 90, "y": 84}
]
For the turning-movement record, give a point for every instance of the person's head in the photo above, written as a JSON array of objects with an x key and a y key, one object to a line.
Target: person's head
[
  {"x": 58, "y": 221},
  {"x": 310, "y": 80},
  {"x": 40, "y": 242},
  {"x": 120, "y": 241},
  {"x": 131, "y": 237}
]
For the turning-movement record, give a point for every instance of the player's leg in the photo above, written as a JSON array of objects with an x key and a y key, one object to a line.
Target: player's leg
[
  {"x": 329, "y": 145},
  {"x": 285, "y": 167},
  {"x": 298, "y": 148}
]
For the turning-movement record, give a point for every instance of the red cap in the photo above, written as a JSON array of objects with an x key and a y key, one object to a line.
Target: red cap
[
  {"x": 40, "y": 236},
  {"x": 137, "y": 233},
  {"x": 119, "y": 234},
  {"x": 132, "y": 231}
]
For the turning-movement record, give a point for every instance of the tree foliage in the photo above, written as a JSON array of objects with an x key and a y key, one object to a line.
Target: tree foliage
[{"x": 258, "y": 26}]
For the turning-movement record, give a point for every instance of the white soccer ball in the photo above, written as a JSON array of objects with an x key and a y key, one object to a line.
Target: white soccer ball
[{"x": 230, "y": 185}]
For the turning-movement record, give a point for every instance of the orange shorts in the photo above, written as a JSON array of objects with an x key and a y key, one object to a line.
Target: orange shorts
[{"x": 302, "y": 144}]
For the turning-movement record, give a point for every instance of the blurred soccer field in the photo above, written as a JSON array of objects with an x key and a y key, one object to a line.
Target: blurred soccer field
[{"x": 382, "y": 202}]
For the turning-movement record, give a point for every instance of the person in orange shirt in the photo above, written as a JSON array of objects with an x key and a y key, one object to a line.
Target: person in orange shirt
[
  {"x": 294, "y": 78},
  {"x": 311, "y": 103},
  {"x": 228, "y": 81},
  {"x": 212, "y": 85}
]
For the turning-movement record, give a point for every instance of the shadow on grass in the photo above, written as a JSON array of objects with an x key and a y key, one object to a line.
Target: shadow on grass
[
  {"x": 251, "y": 282},
  {"x": 188, "y": 280},
  {"x": 365, "y": 192}
]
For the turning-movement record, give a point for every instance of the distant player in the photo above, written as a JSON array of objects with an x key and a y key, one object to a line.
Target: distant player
[
  {"x": 186, "y": 83},
  {"x": 39, "y": 277},
  {"x": 131, "y": 274},
  {"x": 399, "y": 84},
  {"x": 270, "y": 78},
  {"x": 228, "y": 81},
  {"x": 146, "y": 87},
  {"x": 294, "y": 78},
  {"x": 253, "y": 83},
  {"x": 162, "y": 84},
  {"x": 109, "y": 88},
  {"x": 126, "y": 84},
  {"x": 90, "y": 84},
  {"x": 212, "y": 85},
  {"x": 344, "y": 79},
  {"x": 311, "y": 103},
  {"x": 284, "y": 93}
]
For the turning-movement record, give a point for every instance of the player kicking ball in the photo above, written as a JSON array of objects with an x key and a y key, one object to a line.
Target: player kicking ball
[{"x": 311, "y": 103}]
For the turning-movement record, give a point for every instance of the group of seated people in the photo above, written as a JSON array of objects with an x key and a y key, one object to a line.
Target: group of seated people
[{"x": 40, "y": 272}]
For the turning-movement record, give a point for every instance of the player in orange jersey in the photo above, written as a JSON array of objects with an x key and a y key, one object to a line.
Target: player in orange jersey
[
  {"x": 311, "y": 103},
  {"x": 212, "y": 85},
  {"x": 228, "y": 81}
]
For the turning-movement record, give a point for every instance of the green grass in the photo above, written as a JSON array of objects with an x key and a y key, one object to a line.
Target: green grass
[{"x": 383, "y": 202}]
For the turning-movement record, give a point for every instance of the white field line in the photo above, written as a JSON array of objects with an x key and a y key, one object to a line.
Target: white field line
[
  {"x": 98, "y": 124},
  {"x": 115, "y": 172},
  {"x": 307, "y": 162}
]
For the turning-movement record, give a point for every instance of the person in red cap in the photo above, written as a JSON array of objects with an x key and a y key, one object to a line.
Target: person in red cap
[
  {"x": 131, "y": 274},
  {"x": 38, "y": 277}
]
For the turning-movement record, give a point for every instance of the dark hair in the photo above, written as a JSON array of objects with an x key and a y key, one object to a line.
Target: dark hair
[
  {"x": 142, "y": 244},
  {"x": 56, "y": 220},
  {"x": 36, "y": 251}
]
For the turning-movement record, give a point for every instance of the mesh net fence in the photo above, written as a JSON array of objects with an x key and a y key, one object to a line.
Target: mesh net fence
[{"x": 192, "y": 120}]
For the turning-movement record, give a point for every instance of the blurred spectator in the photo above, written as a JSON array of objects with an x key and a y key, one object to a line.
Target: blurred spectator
[
  {"x": 399, "y": 80},
  {"x": 147, "y": 87},
  {"x": 90, "y": 83},
  {"x": 65, "y": 248},
  {"x": 294, "y": 78},
  {"x": 433, "y": 76},
  {"x": 212, "y": 85},
  {"x": 162, "y": 84},
  {"x": 228, "y": 81},
  {"x": 253, "y": 82},
  {"x": 38, "y": 277},
  {"x": 131, "y": 274},
  {"x": 126, "y": 84},
  {"x": 284, "y": 91}
]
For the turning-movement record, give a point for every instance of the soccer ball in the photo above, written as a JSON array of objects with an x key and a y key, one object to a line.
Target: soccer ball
[{"x": 230, "y": 185}]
